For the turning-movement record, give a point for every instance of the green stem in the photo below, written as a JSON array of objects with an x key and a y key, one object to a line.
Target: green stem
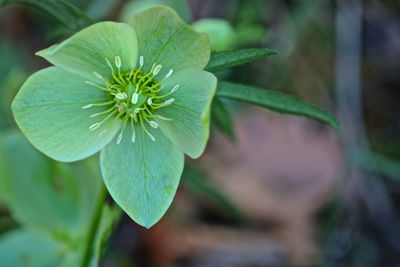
[{"x": 94, "y": 226}]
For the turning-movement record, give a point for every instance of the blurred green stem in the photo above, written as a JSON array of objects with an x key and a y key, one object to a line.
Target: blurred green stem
[{"x": 94, "y": 226}]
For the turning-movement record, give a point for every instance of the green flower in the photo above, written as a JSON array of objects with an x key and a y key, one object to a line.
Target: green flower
[{"x": 135, "y": 91}]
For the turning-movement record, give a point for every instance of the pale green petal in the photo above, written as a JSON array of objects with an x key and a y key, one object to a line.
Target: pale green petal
[
  {"x": 190, "y": 112},
  {"x": 48, "y": 110},
  {"x": 142, "y": 177},
  {"x": 165, "y": 39},
  {"x": 85, "y": 52}
]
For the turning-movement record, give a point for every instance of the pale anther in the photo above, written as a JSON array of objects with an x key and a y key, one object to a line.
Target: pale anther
[
  {"x": 94, "y": 126},
  {"x": 174, "y": 89},
  {"x": 133, "y": 137},
  {"x": 152, "y": 67},
  {"x": 151, "y": 136},
  {"x": 157, "y": 69},
  {"x": 137, "y": 110},
  {"x": 119, "y": 139},
  {"x": 141, "y": 61},
  {"x": 98, "y": 75},
  {"x": 121, "y": 96},
  {"x": 149, "y": 101},
  {"x": 102, "y": 132},
  {"x": 153, "y": 124},
  {"x": 169, "y": 74},
  {"x": 90, "y": 83},
  {"x": 118, "y": 62},
  {"x": 94, "y": 115},
  {"x": 121, "y": 108},
  {"x": 108, "y": 63},
  {"x": 169, "y": 101},
  {"x": 87, "y": 106},
  {"x": 135, "y": 97}
]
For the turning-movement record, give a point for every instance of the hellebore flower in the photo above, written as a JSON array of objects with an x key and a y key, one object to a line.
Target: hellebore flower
[{"x": 135, "y": 91}]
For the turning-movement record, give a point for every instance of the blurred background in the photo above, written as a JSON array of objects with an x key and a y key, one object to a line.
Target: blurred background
[{"x": 270, "y": 190}]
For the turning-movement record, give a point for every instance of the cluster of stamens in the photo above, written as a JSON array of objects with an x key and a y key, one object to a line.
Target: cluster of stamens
[{"x": 133, "y": 97}]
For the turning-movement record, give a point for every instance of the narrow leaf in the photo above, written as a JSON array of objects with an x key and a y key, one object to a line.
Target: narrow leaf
[
  {"x": 275, "y": 101},
  {"x": 226, "y": 59},
  {"x": 221, "y": 118},
  {"x": 65, "y": 12}
]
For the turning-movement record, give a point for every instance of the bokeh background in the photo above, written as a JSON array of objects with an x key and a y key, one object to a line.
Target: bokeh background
[{"x": 270, "y": 190}]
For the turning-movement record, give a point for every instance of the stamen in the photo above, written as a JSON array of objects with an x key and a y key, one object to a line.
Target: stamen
[
  {"x": 149, "y": 101},
  {"x": 108, "y": 63},
  {"x": 122, "y": 131},
  {"x": 153, "y": 124},
  {"x": 169, "y": 74},
  {"x": 87, "y": 106},
  {"x": 98, "y": 75},
  {"x": 121, "y": 96},
  {"x": 94, "y": 126},
  {"x": 103, "y": 104},
  {"x": 151, "y": 136},
  {"x": 157, "y": 69},
  {"x": 174, "y": 89},
  {"x": 133, "y": 131},
  {"x": 119, "y": 139},
  {"x": 118, "y": 62},
  {"x": 141, "y": 62},
  {"x": 152, "y": 68},
  {"x": 102, "y": 132},
  {"x": 131, "y": 73},
  {"x": 91, "y": 83},
  {"x": 121, "y": 108},
  {"x": 162, "y": 118},
  {"x": 144, "y": 128},
  {"x": 169, "y": 101},
  {"x": 135, "y": 98}
]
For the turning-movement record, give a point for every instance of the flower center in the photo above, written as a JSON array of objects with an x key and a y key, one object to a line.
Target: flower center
[{"x": 133, "y": 97}]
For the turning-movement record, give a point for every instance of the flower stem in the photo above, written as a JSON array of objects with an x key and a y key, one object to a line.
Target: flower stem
[{"x": 94, "y": 226}]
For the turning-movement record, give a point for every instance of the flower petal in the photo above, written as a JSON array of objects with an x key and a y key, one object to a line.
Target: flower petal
[
  {"x": 164, "y": 38},
  {"x": 85, "y": 52},
  {"x": 48, "y": 110},
  {"x": 190, "y": 112},
  {"x": 142, "y": 177}
]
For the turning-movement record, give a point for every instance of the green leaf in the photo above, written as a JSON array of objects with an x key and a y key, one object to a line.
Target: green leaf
[
  {"x": 142, "y": 177},
  {"x": 48, "y": 110},
  {"x": 164, "y": 38},
  {"x": 226, "y": 59},
  {"x": 221, "y": 117},
  {"x": 24, "y": 248},
  {"x": 86, "y": 51},
  {"x": 189, "y": 127},
  {"x": 48, "y": 197},
  {"x": 275, "y": 101},
  {"x": 65, "y": 12}
]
